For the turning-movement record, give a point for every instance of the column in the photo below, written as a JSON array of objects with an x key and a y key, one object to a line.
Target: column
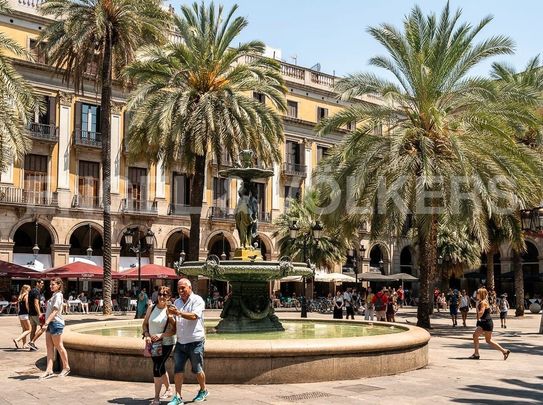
[
  {"x": 276, "y": 187},
  {"x": 159, "y": 256},
  {"x": 60, "y": 254},
  {"x": 116, "y": 109},
  {"x": 6, "y": 251},
  {"x": 115, "y": 255},
  {"x": 64, "y": 138}
]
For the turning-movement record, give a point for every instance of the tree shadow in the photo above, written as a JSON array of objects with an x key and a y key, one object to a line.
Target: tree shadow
[
  {"x": 130, "y": 401},
  {"x": 515, "y": 347},
  {"x": 520, "y": 392}
]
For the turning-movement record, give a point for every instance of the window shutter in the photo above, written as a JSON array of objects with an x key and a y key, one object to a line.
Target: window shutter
[
  {"x": 78, "y": 116},
  {"x": 52, "y": 110}
]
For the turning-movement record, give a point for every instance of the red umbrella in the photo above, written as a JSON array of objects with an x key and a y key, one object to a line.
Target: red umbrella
[
  {"x": 148, "y": 272},
  {"x": 76, "y": 270},
  {"x": 13, "y": 270}
]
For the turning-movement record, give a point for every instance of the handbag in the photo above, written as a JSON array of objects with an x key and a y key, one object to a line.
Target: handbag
[{"x": 147, "y": 350}]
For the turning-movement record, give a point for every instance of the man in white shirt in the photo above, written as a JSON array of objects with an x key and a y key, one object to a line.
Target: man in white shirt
[{"x": 189, "y": 312}]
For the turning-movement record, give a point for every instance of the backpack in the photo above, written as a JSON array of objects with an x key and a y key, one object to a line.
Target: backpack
[{"x": 379, "y": 304}]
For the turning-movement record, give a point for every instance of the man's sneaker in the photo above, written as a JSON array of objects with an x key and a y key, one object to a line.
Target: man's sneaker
[
  {"x": 201, "y": 396},
  {"x": 176, "y": 400},
  {"x": 32, "y": 346}
]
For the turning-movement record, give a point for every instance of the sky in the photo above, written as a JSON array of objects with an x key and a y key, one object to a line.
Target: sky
[{"x": 333, "y": 32}]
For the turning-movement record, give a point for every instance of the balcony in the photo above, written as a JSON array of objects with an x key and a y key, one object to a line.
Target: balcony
[
  {"x": 179, "y": 209},
  {"x": 131, "y": 206},
  {"x": 294, "y": 170},
  {"x": 86, "y": 202},
  {"x": 43, "y": 132},
  {"x": 216, "y": 212},
  {"x": 87, "y": 138},
  {"x": 19, "y": 196}
]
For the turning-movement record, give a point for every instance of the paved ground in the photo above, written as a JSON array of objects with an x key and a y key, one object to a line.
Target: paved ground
[{"x": 449, "y": 377}]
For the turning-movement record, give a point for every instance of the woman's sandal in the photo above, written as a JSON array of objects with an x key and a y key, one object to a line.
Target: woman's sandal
[
  {"x": 474, "y": 357},
  {"x": 506, "y": 354},
  {"x": 16, "y": 343}
]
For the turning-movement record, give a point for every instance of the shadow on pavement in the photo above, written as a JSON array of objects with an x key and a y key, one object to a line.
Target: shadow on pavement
[
  {"x": 520, "y": 392},
  {"x": 129, "y": 401}
]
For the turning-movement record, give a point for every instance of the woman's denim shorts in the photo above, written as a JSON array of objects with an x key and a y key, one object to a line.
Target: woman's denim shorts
[{"x": 55, "y": 328}]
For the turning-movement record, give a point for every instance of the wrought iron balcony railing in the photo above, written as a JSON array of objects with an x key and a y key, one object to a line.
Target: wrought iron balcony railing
[
  {"x": 87, "y": 138},
  {"x": 217, "y": 212},
  {"x": 178, "y": 209},
  {"x": 47, "y": 132},
  {"x": 139, "y": 206},
  {"x": 15, "y": 195},
  {"x": 83, "y": 201},
  {"x": 294, "y": 169}
]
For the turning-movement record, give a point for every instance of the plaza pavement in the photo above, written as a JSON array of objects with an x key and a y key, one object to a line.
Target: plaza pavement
[{"x": 449, "y": 377}]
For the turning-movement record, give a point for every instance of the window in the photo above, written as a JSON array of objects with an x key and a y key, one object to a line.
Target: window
[
  {"x": 137, "y": 188},
  {"x": 378, "y": 129},
  {"x": 221, "y": 192},
  {"x": 90, "y": 120},
  {"x": 351, "y": 126},
  {"x": 89, "y": 184},
  {"x": 293, "y": 153},
  {"x": 322, "y": 152},
  {"x": 292, "y": 109},
  {"x": 38, "y": 51},
  {"x": 261, "y": 98},
  {"x": 261, "y": 196},
  {"x": 291, "y": 193},
  {"x": 180, "y": 190},
  {"x": 35, "y": 179},
  {"x": 321, "y": 113}
]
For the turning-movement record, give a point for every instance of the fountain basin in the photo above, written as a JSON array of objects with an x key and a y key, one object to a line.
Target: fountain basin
[{"x": 256, "y": 361}]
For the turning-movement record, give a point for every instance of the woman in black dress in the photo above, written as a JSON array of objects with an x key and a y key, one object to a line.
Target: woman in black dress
[
  {"x": 338, "y": 305},
  {"x": 485, "y": 326}
]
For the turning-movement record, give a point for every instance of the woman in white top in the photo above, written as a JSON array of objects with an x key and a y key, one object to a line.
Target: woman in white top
[
  {"x": 54, "y": 326},
  {"x": 159, "y": 330}
]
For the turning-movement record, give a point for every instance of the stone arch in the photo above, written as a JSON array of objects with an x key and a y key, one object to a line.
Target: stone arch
[
  {"x": 46, "y": 224},
  {"x": 120, "y": 235},
  {"x": 407, "y": 259},
  {"x": 184, "y": 229},
  {"x": 142, "y": 228},
  {"x": 379, "y": 251},
  {"x": 268, "y": 245},
  {"x": 96, "y": 226},
  {"x": 228, "y": 235},
  {"x": 175, "y": 242}
]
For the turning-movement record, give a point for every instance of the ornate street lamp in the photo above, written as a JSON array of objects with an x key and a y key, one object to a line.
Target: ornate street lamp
[
  {"x": 182, "y": 255},
  {"x": 139, "y": 248},
  {"x": 89, "y": 249},
  {"x": 36, "y": 248}
]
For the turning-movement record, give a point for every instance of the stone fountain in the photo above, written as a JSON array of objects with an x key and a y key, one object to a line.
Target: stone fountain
[{"x": 248, "y": 309}]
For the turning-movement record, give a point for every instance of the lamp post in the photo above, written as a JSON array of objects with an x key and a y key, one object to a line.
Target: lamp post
[
  {"x": 182, "y": 255},
  {"x": 362, "y": 252},
  {"x": 36, "y": 248},
  {"x": 316, "y": 230},
  {"x": 139, "y": 248},
  {"x": 89, "y": 249},
  {"x": 381, "y": 266},
  {"x": 223, "y": 254}
]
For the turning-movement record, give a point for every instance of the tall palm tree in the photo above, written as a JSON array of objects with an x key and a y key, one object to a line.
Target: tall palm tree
[
  {"x": 325, "y": 252},
  {"x": 530, "y": 79},
  {"x": 447, "y": 139},
  {"x": 194, "y": 96},
  {"x": 106, "y": 33},
  {"x": 17, "y": 102}
]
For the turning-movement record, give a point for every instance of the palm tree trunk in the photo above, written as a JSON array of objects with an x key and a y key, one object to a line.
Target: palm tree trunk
[
  {"x": 196, "y": 198},
  {"x": 490, "y": 280},
  {"x": 519, "y": 284},
  {"x": 105, "y": 127},
  {"x": 427, "y": 263}
]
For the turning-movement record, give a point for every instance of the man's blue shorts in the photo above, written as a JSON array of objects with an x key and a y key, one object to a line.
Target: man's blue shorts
[{"x": 193, "y": 351}]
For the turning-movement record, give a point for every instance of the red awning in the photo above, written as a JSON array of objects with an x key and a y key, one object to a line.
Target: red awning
[
  {"x": 13, "y": 270},
  {"x": 76, "y": 270},
  {"x": 148, "y": 272}
]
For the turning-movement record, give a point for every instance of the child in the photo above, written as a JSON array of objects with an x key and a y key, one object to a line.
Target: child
[{"x": 504, "y": 307}]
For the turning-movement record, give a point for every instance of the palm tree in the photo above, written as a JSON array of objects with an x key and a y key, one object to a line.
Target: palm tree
[
  {"x": 530, "y": 79},
  {"x": 17, "y": 102},
  {"x": 104, "y": 33},
  {"x": 194, "y": 96},
  {"x": 446, "y": 144},
  {"x": 325, "y": 252},
  {"x": 458, "y": 249}
]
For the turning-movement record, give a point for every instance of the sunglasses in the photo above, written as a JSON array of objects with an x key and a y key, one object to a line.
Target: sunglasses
[{"x": 163, "y": 295}]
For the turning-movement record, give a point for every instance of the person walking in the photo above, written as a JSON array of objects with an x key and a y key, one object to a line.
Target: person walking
[
  {"x": 465, "y": 304},
  {"x": 189, "y": 312},
  {"x": 34, "y": 312},
  {"x": 159, "y": 329},
  {"x": 53, "y": 327},
  {"x": 338, "y": 305},
  {"x": 485, "y": 326},
  {"x": 380, "y": 303},
  {"x": 22, "y": 312},
  {"x": 504, "y": 308},
  {"x": 454, "y": 299},
  {"x": 391, "y": 307},
  {"x": 370, "y": 307}
]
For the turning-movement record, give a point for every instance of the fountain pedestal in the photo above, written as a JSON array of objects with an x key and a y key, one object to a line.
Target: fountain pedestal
[{"x": 248, "y": 310}]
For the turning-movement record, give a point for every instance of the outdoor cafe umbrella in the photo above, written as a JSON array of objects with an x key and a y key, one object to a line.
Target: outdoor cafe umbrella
[
  {"x": 375, "y": 276},
  {"x": 76, "y": 270},
  {"x": 404, "y": 277},
  {"x": 13, "y": 270},
  {"x": 334, "y": 277},
  {"x": 149, "y": 272}
]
